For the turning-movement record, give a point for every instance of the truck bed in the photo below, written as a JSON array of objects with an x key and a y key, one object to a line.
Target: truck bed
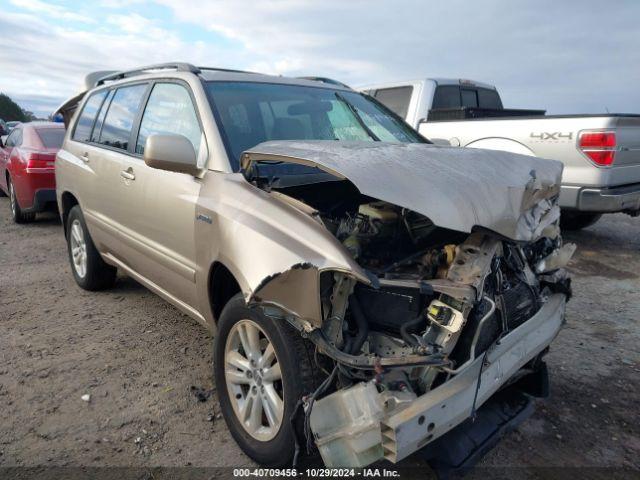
[
  {"x": 524, "y": 116},
  {"x": 557, "y": 137},
  {"x": 464, "y": 113}
]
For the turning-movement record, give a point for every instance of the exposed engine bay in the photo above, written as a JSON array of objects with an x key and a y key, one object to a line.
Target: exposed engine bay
[
  {"x": 434, "y": 292},
  {"x": 438, "y": 299},
  {"x": 441, "y": 294}
]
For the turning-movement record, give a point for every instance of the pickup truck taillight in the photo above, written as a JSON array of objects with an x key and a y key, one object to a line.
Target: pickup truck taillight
[
  {"x": 40, "y": 160},
  {"x": 600, "y": 147}
]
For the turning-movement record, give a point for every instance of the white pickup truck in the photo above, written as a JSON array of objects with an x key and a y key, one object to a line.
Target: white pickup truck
[{"x": 600, "y": 153}]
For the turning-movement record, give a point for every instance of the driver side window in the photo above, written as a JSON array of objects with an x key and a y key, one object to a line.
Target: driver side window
[{"x": 169, "y": 111}]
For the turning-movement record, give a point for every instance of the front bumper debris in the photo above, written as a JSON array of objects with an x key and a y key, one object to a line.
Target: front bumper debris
[
  {"x": 415, "y": 424},
  {"x": 459, "y": 450}
]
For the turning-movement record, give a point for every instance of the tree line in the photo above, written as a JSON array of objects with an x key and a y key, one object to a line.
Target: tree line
[{"x": 10, "y": 110}]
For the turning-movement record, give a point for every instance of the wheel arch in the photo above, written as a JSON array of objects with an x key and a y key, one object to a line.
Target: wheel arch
[
  {"x": 501, "y": 143},
  {"x": 222, "y": 286},
  {"x": 68, "y": 201}
]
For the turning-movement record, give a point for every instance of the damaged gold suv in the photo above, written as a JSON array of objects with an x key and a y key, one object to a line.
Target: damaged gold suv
[{"x": 367, "y": 290}]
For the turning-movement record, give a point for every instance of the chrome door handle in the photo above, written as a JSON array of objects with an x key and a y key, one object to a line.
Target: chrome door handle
[
  {"x": 84, "y": 157},
  {"x": 128, "y": 174}
]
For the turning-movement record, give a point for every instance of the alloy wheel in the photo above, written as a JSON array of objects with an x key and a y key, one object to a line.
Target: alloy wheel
[
  {"x": 254, "y": 381},
  {"x": 78, "y": 249}
]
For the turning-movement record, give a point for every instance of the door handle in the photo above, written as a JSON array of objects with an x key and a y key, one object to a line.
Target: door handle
[
  {"x": 128, "y": 174},
  {"x": 84, "y": 157}
]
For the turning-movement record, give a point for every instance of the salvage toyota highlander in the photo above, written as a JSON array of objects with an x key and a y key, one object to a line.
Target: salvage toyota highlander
[{"x": 367, "y": 290}]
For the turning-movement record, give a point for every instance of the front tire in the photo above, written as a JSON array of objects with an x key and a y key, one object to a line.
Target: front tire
[
  {"x": 262, "y": 367},
  {"x": 16, "y": 212},
  {"x": 88, "y": 268},
  {"x": 573, "y": 220}
]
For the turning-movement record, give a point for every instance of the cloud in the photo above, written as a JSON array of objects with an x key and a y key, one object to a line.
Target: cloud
[
  {"x": 54, "y": 11},
  {"x": 120, "y": 3},
  {"x": 543, "y": 54},
  {"x": 40, "y": 58}
]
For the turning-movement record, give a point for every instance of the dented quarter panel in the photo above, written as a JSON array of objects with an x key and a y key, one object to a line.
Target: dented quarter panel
[
  {"x": 274, "y": 250},
  {"x": 455, "y": 188}
]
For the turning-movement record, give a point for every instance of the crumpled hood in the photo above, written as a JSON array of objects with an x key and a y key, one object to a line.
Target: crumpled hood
[{"x": 456, "y": 188}]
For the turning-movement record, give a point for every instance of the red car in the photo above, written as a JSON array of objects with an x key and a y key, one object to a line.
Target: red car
[{"x": 27, "y": 160}]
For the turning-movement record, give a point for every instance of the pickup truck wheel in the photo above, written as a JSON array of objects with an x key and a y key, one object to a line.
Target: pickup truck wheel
[
  {"x": 16, "y": 212},
  {"x": 262, "y": 367},
  {"x": 570, "y": 220},
  {"x": 89, "y": 269}
]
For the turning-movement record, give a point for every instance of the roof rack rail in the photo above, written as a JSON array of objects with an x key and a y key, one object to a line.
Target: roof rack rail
[
  {"x": 230, "y": 70},
  {"x": 177, "y": 66},
  {"x": 330, "y": 81}
]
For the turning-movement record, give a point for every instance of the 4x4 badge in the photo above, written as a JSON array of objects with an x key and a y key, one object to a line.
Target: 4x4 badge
[{"x": 551, "y": 135}]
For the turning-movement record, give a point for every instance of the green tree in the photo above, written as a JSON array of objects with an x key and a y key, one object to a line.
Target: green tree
[{"x": 10, "y": 110}]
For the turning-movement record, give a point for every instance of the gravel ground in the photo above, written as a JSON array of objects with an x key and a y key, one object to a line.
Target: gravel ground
[{"x": 140, "y": 359}]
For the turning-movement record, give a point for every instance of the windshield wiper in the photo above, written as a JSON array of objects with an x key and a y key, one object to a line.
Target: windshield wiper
[{"x": 355, "y": 113}]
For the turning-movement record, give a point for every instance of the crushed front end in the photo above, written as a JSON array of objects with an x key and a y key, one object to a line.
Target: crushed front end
[
  {"x": 434, "y": 320},
  {"x": 445, "y": 330}
]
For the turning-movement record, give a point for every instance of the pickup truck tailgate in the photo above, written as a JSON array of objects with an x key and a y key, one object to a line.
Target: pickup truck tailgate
[{"x": 627, "y": 141}]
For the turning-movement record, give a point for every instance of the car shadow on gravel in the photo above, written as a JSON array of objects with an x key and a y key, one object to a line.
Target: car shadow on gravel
[
  {"x": 127, "y": 285},
  {"x": 45, "y": 219},
  {"x": 596, "y": 239}
]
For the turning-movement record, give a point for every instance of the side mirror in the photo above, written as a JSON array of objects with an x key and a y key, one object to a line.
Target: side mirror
[{"x": 170, "y": 152}]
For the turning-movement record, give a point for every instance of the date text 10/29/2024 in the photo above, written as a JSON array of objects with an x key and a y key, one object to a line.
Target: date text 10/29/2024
[{"x": 316, "y": 472}]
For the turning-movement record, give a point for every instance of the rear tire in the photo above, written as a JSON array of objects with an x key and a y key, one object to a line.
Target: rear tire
[
  {"x": 573, "y": 220},
  {"x": 272, "y": 443},
  {"x": 88, "y": 268},
  {"x": 16, "y": 212}
]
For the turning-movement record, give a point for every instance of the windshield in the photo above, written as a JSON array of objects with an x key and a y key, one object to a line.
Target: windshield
[{"x": 251, "y": 113}]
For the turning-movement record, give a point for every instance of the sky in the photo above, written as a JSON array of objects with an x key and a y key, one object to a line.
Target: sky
[{"x": 565, "y": 57}]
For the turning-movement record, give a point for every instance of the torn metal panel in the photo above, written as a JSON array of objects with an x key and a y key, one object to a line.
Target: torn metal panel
[
  {"x": 295, "y": 291},
  {"x": 540, "y": 219},
  {"x": 473, "y": 261},
  {"x": 559, "y": 258},
  {"x": 455, "y": 188},
  {"x": 263, "y": 241}
]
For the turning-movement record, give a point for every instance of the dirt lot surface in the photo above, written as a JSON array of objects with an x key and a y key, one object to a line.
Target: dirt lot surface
[{"x": 138, "y": 359}]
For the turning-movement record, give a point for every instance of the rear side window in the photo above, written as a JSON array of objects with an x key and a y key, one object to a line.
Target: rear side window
[
  {"x": 97, "y": 128},
  {"x": 446, "y": 96},
  {"x": 82, "y": 132},
  {"x": 395, "y": 99},
  {"x": 489, "y": 99},
  {"x": 169, "y": 110},
  {"x": 51, "y": 137},
  {"x": 118, "y": 123},
  {"x": 469, "y": 98}
]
